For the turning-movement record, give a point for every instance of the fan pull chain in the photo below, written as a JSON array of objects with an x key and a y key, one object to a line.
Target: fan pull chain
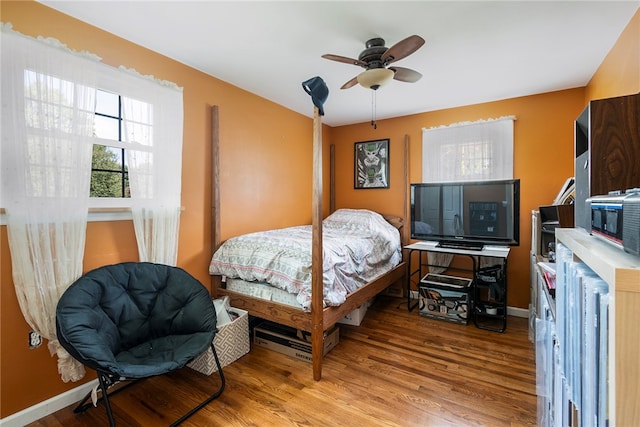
[{"x": 373, "y": 110}]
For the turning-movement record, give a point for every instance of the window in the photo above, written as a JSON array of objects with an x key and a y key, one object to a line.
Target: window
[
  {"x": 469, "y": 159},
  {"x": 109, "y": 175},
  {"x": 468, "y": 151},
  {"x": 52, "y": 106},
  {"x": 75, "y": 127},
  {"x": 124, "y": 151},
  {"x": 51, "y": 103}
]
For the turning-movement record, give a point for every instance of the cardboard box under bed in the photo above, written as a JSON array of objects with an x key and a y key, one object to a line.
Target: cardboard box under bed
[
  {"x": 290, "y": 341},
  {"x": 231, "y": 343}
]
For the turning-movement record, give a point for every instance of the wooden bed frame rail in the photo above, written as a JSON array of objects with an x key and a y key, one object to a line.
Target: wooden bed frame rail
[{"x": 296, "y": 318}]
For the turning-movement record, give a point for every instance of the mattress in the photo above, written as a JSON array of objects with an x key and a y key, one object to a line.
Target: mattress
[{"x": 263, "y": 291}]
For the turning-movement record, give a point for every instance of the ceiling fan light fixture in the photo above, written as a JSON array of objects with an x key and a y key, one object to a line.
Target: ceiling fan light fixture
[{"x": 375, "y": 77}]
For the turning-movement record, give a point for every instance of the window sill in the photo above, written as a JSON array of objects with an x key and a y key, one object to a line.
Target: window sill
[
  {"x": 109, "y": 214},
  {"x": 95, "y": 215}
]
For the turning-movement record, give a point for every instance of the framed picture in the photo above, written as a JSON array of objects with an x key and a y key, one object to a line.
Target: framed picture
[{"x": 371, "y": 164}]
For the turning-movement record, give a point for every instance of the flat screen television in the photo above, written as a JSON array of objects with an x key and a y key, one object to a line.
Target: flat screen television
[{"x": 468, "y": 214}]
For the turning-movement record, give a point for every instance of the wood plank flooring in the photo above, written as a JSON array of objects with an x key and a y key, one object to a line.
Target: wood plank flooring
[{"x": 395, "y": 369}]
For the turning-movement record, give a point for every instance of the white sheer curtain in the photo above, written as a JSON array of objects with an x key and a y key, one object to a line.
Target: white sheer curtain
[
  {"x": 48, "y": 112},
  {"x": 468, "y": 151},
  {"x": 152, "y": 130},
  {"x": 48, "y": 97}
]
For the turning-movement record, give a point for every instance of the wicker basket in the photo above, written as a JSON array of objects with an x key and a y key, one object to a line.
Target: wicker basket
[{"x": 231, "y": 343}]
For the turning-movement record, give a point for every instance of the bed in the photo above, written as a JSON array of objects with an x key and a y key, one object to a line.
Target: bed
[
  {"x": 359, "y": 246},
  {"x": 317, "y": 308}
]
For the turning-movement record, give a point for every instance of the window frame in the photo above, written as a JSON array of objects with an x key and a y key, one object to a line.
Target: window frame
[{"x": 119, "y": 144}]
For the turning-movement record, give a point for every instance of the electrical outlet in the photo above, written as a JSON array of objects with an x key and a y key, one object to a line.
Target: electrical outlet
[{"x": 35, "y": 339}]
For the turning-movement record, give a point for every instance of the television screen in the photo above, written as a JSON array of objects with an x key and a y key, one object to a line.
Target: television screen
[{"x": 470, "y": 213}]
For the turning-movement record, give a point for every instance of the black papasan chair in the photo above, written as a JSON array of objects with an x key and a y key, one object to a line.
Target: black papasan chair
[{"x": 135, "y": 320}]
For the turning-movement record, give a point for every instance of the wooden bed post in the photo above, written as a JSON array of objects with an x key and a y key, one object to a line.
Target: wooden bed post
[
  {"x": 317, "y": 287},
  {"x": 215, "y": 192},
  {"x": 406, "y": 230},
  {"x": 332, "y": 178}
]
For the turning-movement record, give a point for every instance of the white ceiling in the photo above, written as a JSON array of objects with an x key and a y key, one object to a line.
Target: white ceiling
[{"x": 475, "y": 51}]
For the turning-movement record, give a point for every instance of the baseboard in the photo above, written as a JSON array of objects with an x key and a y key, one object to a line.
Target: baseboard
[
  {"x": 518, "y": 312},
  {"x": 48, "y": 407},
  {"x": 511, "y": 311}
]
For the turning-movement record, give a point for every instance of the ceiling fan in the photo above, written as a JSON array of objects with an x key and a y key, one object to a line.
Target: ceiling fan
[{"x": 375, "y": 59}]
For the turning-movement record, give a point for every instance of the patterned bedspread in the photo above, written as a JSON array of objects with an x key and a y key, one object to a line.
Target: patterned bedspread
[{"x": 358, "y": 246}]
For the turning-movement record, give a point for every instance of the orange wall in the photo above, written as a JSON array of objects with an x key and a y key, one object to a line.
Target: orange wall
[
  {"x": 619, "y": 73},
  {"x": 543, "y": 153},
  {"x": 266, "y": 166},
  {"x": 266, "y": 172}
]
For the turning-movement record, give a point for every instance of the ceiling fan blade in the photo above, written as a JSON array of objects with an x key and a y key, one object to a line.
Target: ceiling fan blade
[
  {"x": 402, "y": 49},
  {"x": 405, "y": 74},
  {"x": 344, "y": 59},
  {"x": 350, "y": 83}
]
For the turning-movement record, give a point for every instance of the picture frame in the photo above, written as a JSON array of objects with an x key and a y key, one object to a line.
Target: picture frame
[{"x": 371, "y": 164}]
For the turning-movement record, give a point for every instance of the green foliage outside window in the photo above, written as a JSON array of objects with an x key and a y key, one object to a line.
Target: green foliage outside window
[{"x": 107, "y": 175}]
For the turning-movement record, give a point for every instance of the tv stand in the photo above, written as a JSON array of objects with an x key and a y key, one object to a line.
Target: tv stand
[
  {"x": 460, "y": 244},
  {"x": 488, "y": 296}
]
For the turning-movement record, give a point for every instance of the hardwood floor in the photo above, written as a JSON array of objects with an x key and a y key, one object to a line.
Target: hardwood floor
[{"x": 395, "y": 369}]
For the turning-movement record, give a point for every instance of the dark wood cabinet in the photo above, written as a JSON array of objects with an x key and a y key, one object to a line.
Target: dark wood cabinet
[
  {"x": 607, "y": 150},
  {"x": 615, "y": 144}
]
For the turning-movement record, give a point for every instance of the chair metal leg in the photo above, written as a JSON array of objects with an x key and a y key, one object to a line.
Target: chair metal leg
[
  {"x": 81, "y": 406},
  {"x": 106, "y": 380},
  {"x": 103, "y": 386},
  {"x": 214, "y": 396}
]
